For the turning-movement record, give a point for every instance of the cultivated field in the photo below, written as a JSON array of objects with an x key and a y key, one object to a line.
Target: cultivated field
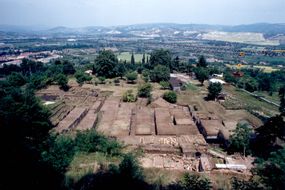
[
  {"x": 266, "y": 69},
  {"x": 240, "y": 37}
]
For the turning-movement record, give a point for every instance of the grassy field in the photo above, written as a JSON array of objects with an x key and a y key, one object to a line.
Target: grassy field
[
  {"x": 127, "y": 56},
  {"x": 266, "y": 69},
  {"x": 259, "y": 58},
  {"x": 84, "y": 164},
  {"x": 241, "y": 100}
]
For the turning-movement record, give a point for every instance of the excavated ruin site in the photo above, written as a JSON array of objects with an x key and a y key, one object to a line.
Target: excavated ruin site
[{"x": 172, "y": 136}]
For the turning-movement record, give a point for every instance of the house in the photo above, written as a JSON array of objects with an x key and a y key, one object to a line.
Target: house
[
  {"x": 214, "y": 80},
  {"x": 175, "y": 84},
  {"x": 89, "y": 72},
  {"x": 218, "y": 75},
  {"x": 238, "y": 74}
]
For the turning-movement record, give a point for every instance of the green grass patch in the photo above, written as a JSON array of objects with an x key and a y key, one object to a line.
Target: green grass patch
[
  {"x": 127, "y": 56},
  {"x": 87, "y": 163},
  {"x": 190, "y": 86}
]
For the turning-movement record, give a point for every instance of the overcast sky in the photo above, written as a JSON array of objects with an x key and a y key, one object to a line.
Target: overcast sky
[{"x": 77, "y": 13}]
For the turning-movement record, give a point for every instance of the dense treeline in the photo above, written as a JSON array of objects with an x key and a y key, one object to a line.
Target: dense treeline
[{"x": 257, "y": 80}]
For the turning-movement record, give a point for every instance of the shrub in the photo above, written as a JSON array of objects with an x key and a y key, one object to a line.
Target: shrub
[
  {"x": 60, "y": 153},
  {"x": 164, "y": 85},
  {"x": 62, "y": 81},
  {"x": 91, "y": 141},
  {"x": 132, "y": 76},
  {"x": 183, "y": 87},
  {"x": 170, "y": 97},
  {"x": 128, "y": 96},
  {"x": 102, "y": 80},
  {"x": 195, "y": 182},
  {"x": 144, "y": 91},
  {"x": 82, "y": 77}
]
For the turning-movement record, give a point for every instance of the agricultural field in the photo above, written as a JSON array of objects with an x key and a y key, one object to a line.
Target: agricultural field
[
  {"x": 266, "y": 69},
  {"x": 240, "y": 37},
  {"x": 127, "y": 56}
]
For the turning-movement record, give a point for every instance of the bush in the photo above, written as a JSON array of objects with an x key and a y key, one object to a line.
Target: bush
[
  {"x": 170, "y": 97},
  {"x": 38, "y": 81},
  {"x": 132, "y": 76},
  {"x": 91, "y": 141},
  {"x": 164, "y": 85},
  {"x": 144, "y": 91},
  {"x": 195, "y": 182},
  {"x": 82, "y": 77},
  {"x": 128, "y": 96},
  {"x": 60, "y": 153},
  {"x": 16, "y": 79},
  {"x": 145, "y": 75},
  {"x": 129, "y": 168},
  {"x": 62, "y": 81},
  {"x": 102, "y": 80}
]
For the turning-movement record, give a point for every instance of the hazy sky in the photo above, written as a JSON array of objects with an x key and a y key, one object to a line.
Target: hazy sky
[{"x": 76, "y": 13}]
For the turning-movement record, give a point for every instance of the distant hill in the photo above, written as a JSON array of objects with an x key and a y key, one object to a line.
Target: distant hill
[{"x": 269, "y": 31}]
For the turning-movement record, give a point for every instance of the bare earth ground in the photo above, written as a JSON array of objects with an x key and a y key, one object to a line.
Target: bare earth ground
[{"x": 118, "y": 119}]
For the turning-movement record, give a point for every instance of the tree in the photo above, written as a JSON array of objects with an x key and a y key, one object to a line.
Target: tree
[
  {"x": 62, "y": 81},
  {"x": 251, "y": 184},
  {"x": 132, "y": 76},
  {"x": 160, "y": 57},
  {"x": 201, "y": 74},
  {"x": 16, "y": 79},
  {"x": 202, "y": 62},
  {"x": 176, "y": 64},
  {"x": 60, "y": 153},
  {"x": 105, "y": 64},
  {"x": 82, "y": 77},
  {"x": 160, "y": 73},
  {"x": 195, "y": 182},
  {"x": 132, "y": 59},
  {"x": 248, "y": 83},
  {"x": 38, "y": 81},
  {"x": 170, "y": 97},
  {"x": 24, "y": 125},
  {"x": 68, "y": 68},
  {"x": 267, "y": 134},
  {"x": 240, "y": 139},
  {"x": 143, "y": 59},
  {"x": 282, "y": 100},
  {"x": 229, "y": 78},
  {"x": 214, "y": 90},
  {"x": 144, "y": 91},
  {"x": 272, "y": 171},
  {"x": 129, "y": 168},
  {"x": 120, "y": 70}
]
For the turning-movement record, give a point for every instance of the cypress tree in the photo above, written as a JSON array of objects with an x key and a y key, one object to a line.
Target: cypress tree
[
  {"x": 143, "y": 59},
  {"x": 132, "y": 59}
]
